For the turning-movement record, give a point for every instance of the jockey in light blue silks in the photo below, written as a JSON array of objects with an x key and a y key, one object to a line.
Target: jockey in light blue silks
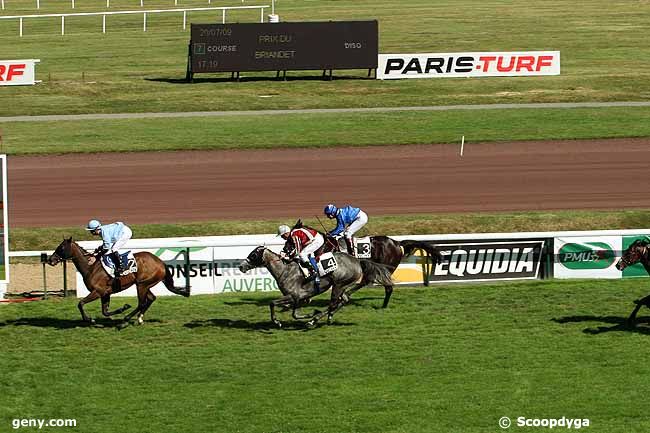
[
  {"x": 114, "y": 237},
  {"x": 348, "y": 221}
]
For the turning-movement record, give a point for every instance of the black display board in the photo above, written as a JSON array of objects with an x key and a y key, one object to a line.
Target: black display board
[{"x": 283, "y": 46}]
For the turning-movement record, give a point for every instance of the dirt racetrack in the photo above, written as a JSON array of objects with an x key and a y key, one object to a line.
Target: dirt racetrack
[{"x": 166, "y": 187}]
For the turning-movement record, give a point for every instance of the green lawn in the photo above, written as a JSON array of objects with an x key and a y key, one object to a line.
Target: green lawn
[
  {"x": 604, "y": 56},
  {"x": 22, "y": 239},
  {"x": 443, "y": 359},
  {"x": 323, "y": 130}
]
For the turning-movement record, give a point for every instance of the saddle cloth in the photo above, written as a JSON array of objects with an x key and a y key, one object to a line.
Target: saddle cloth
[
  {"x": 363, "y": 247},
  {"x": 326, "y": 265},
  {"x": 128, "y": 264}
]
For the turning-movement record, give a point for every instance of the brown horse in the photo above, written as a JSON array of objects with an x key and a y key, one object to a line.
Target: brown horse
[
  {"x": 151, "y": 271},
  {"x": 639, "y": 251}
]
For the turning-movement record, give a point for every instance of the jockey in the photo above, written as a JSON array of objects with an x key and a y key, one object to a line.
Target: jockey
[
  {"x": 114, "y": 236},
  {"x": 348, "y": 221},
  {"x": 306, "y": 242}
]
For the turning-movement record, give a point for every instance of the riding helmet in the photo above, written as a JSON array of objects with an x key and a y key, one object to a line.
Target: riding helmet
[
  {"x": 93, "y": 225},
  {"x": 330, "y": 210}
]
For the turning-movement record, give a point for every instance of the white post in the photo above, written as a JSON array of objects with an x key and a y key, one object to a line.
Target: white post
[
  {"x": 108, "y": 4},
  {"x": 175, "y": 2},
  {"x": 21, "y": 27},
  {"x": 63, "y": 24},
  {"x": 223, "y": 16},
  {"x": 141, "y": 3},
  {"x": 262, "y": 15},
  {"x": 3, "y": 4},
  {"x": 38, "y": 4},
  {"x": 272, "y": 7},
  {"x": 104, "y": 23},
  {"x": 184, "y": 20},
  {"x": 462, "y": 145},
  {"x": 72, "y": 4},
  {"x": 144, "y": 25}
]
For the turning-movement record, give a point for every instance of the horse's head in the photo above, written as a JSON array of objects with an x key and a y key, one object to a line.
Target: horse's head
[
  {"x": 634, "y": 253},
  {"x": 289, "y": 248},
  {"x": 62, "y": 252},
  {"x": 254, "y": 260}
]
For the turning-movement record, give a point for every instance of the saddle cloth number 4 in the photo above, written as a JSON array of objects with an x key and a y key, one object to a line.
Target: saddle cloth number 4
[{"x": 326, "y": 264}]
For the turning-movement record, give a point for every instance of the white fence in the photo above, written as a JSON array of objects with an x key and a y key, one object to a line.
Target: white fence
[
  {"x": 144, "y": 24},
  {"x": 210, "y": 264},
  {"x": 108, "y": 3}
]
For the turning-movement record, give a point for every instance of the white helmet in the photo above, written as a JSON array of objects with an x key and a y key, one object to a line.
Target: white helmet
[
  {"x": 283, "y": 229},
  {"x": 93, "y": 225}
]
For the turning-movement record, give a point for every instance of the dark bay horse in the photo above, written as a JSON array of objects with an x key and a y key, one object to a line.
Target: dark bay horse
[
  {"x": 297, "y": 291},
  {"x": 639, "y": 251},
  {"x": 151, "y": 271},
  {"x": 384, "y": 250}
]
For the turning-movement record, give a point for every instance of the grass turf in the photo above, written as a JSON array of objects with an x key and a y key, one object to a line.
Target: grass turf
[
  {"x": 322, "y": 130},
  {"x": 23, "y": 239},
  {"x": 603, "y": 56},
  {"x": 446, "y": 358}
]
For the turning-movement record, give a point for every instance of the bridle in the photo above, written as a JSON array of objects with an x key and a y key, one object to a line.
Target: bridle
[{"x": 642, "y": 254}]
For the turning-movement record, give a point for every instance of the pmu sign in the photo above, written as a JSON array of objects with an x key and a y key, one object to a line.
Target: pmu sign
[
  {"x": 480, "y": 64},
  {"x": 18, "y": 72}
]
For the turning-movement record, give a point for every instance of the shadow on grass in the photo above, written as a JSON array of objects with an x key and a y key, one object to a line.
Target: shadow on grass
[
  {"x": 318, "y": 303},
  {"x": 265, "y": 325},
  {"x": 50, "y": 322},
  {"x": 620, "y": 324},
  {"x": 251, "y": 79}
]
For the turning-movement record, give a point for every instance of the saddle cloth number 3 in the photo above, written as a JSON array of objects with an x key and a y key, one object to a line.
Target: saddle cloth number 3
[{"x": 363, "y": 248}]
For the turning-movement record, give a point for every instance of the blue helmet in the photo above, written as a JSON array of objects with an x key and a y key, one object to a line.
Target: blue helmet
[
  {"x": 93, "y": 225},
  {"x": 330, "y": 210}
]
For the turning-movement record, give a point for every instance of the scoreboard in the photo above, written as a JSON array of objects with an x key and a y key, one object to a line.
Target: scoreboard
[{"x": 283, "y": 46}]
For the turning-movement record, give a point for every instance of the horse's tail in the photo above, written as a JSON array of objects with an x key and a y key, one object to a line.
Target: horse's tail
[
  {"x": 169, "y": 283},
  {"x": 409, "y": 246},
  {"x": 375, "y": 273}
]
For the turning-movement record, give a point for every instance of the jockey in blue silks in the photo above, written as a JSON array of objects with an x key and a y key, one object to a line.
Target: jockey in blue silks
[
  {"x": 114, "y": 237},
  {"x": 348, "y": 221}
]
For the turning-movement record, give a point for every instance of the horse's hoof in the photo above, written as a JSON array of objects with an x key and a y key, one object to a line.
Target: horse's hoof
[
  {"x": 278, "y": 324},
  {"x": 311, "y": 323},
  {"x": 140, "y": 320}
]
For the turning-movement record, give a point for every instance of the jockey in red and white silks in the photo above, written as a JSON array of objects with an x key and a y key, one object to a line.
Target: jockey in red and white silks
[{"x": 306, "y": 241}]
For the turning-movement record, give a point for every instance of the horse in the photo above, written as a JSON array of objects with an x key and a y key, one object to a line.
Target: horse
[
  {"x": 151, "y": 271},
  {"x": 384, "y": 250},
  {"x": 639, "y": 251},
  {"x": 297, "y": 290}
]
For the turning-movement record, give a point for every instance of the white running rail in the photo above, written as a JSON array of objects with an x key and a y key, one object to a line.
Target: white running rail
[{"x": 223, "y": 10}]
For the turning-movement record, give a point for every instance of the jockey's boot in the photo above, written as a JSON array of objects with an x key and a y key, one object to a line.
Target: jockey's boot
[
  {"x": 350, "y": 245},
  {"x": 115, "y": 256},
  {"x": 314, "y": 266}
]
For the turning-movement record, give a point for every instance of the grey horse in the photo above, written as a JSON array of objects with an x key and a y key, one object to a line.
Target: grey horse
[{"x": 297, "y": 291}]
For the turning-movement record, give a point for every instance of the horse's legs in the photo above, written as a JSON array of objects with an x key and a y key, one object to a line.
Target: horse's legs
[
  {"x": 106, "y": 302},
  {"x": 150, "y": 298},
  {"x": 91, "y": 297},
  {"x": 284, "y": 300},
  {"x": 388, "y": 291},
  {"x": 142, "y": 301},
  {"x": 337, "y": 300}
]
